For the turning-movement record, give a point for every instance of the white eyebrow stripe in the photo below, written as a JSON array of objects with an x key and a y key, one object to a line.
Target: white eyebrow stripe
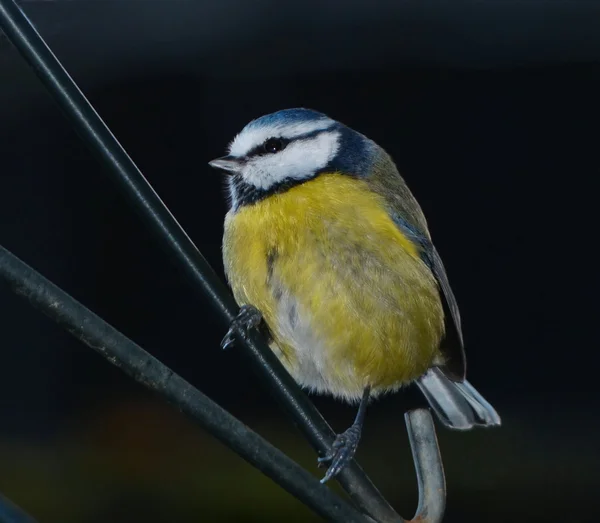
[
  {"x": 300, "y": 160},
  {"x": 251, "y": 137}
]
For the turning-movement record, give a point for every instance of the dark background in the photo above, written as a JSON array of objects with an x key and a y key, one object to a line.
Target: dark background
[{"x": 491, "y": 111}]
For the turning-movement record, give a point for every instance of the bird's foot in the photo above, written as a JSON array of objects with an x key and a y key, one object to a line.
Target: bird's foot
[
  {"x": 341, "y": 453},
  {"x": 248, "y": 318}
]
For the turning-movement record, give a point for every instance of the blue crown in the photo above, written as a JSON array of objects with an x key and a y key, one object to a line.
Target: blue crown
[{"x": 286, "y": 116}]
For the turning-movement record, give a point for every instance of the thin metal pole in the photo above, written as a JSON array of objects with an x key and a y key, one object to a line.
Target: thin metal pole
[
  {"x": 428, "y": 466},
  {"x": 10, "y": 513},
  {"x": 123, "y": 170},
  {"x": 150, "y": 372}
]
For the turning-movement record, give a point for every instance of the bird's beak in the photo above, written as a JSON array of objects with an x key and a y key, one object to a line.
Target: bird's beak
[{"x": 227, "y": 164}]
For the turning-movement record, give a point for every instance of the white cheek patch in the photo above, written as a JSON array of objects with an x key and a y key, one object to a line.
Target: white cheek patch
[
  {"x": 299, "y": 160},
  {"x": 251, "y": 137}
]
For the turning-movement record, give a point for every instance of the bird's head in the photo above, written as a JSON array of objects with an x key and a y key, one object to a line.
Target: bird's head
[{"x": 286, "y": 148}]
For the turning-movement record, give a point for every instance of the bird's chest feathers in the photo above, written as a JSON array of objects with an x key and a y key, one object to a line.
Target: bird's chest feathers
[
  {"x": 312, "y": 224},
  {"x": 327, "y": 266}
]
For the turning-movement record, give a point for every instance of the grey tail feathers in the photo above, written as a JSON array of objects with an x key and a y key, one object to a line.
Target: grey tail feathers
[{"x": 458, "y": 405}]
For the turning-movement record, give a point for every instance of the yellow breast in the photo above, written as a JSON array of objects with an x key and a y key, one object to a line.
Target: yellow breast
[{"x": 343, "y": 291}]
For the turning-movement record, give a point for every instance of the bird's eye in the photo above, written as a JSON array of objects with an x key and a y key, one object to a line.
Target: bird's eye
[{"x": 273, "y": 145}]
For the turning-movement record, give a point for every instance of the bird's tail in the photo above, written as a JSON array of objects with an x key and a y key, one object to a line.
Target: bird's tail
[{"x": 458, "y": 405}]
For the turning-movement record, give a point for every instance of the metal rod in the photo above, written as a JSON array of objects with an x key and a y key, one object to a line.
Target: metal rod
[
  {"x": 428, "y": 465},
  {"x": 147, "y": 370},
  {"x": 10, "y": 513},
  {"x": 126, "y": 174}
]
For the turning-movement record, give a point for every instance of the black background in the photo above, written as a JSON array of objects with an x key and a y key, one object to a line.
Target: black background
[{"x": 491, "y": 112}]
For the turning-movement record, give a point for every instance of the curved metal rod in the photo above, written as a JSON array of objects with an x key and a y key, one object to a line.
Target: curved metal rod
[{"x": 428, "y": 466}]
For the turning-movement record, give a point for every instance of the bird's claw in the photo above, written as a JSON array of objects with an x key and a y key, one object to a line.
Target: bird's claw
[
  {"x": 341, "y": 453},
  {"x": 248, "y": 318}
]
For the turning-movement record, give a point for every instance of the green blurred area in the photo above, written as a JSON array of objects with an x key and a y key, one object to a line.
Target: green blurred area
[{"x": 141, "y": 460}]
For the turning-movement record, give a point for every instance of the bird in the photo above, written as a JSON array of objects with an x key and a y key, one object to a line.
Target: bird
[{"x": 327, "y": 249}]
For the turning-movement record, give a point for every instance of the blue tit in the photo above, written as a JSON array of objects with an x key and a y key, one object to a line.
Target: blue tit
[{"x": 325, "y": 242}]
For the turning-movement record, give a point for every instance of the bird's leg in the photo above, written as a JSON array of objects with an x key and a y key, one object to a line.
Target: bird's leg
[
  {"x": 248, "y": 318},
  {"x": 344, "y": 447}
]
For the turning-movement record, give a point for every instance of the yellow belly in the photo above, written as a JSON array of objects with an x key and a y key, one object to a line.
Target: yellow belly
[{"x": 343, "y": 291}]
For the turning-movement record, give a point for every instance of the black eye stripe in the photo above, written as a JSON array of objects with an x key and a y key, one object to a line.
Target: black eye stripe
[
  {"x": 259, "y": 150},
  {"x": 269, "y": 146}
]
